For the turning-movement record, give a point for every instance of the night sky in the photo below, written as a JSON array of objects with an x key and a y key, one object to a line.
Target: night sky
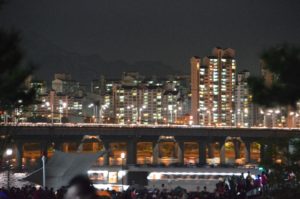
[{"x": 93, "y": 37}]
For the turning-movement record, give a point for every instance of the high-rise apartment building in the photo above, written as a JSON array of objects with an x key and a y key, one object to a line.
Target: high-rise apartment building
[
  {"x": 64, "y": 84},
  {"x": 171, "y": 105},
  {"x": 215, "y": 86},
  {"x": 56, "y": 107},
  {"x": 195, "y": 66},
  {"x": 137, "y": 100},
  {"x": 243, "y": 102},
  {"x": 136, "y": 104}
]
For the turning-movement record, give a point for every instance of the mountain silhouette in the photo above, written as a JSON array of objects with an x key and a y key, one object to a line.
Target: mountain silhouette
[{"x": 51, "y": 59}]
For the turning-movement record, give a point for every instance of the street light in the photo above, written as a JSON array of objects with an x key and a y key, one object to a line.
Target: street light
[
  {"x": 5, "y": 117},
  {"x": 102, "y": 109},
  {"x": 44, "y": 170},
  {"x": 273, "y": 114},
  {"x": 209, "y": 117},
  {"x": 201, "y": 114},
  {"x": 8, "y": 153},
  {"x": 296, "y": 119},
  {"x": 131, "y": 114},
  {"x": 140, "y": 113},
  {"x": 63, "y": 105},
  {"x": 180, "y": 108},
  {"x": 243, "y": 113},
  {"x": 264, "y": 115},
  {"x": 191, "y": 120},
  {"x": 48, "y": 105},
  {"x": 170, "y": 108},
  {"x": 92, "y": 105},
  {"x": 292, "y": 114},
  {"x": 123, "y": 155},
  {"x": 175, "y": 112},
  {"x": 276, "y": 114}
]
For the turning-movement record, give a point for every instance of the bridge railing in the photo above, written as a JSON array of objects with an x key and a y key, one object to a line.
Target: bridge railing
[{"x": 39, "y": 124}]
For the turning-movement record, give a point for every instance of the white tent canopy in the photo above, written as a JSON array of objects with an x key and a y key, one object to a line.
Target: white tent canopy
[{"x": 62, "y": 167}]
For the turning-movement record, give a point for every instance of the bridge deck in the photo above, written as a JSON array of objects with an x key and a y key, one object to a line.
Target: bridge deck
[{"x": 46, "y": 129}]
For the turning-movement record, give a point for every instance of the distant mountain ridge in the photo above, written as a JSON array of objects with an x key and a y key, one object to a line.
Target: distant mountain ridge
[{"x": 51, "y": 59}]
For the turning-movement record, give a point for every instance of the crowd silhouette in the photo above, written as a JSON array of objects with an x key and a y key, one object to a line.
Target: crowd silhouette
[{"x": 80, "y": 187}]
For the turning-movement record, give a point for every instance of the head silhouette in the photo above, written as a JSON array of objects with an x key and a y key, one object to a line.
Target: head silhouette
[{"x": 80, "y": 187}]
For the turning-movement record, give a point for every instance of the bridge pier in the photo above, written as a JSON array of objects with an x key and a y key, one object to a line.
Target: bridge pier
[
  {"x": 155, "y": 152},
  {"x": 247, "y": 151},
  {"x": 202, "y": 152},
  {"x": 131, "y": 151},
  {"x": 210, "y": 150},
  {"x": 237, "y": 149},
  {"x": 262, "y": 152},
  {"x": 106, "y": 155},
  {"x": 58, "y": 145},
  {"x": 222, "y": 152},
  {"x": 181, "y": 152},
  {"x": 19, "y": 156}
]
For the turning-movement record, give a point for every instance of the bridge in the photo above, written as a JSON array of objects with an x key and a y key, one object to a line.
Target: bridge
[
  {"x": 70, "y": 129},
  {"x": 144, "y": 144}
]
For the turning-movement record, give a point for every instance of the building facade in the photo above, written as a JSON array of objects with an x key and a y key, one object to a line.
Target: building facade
[
  {"x": 243, "y": 103},
  {"x": 215, "y": 85},
  {"x": 138, "y": 100},
  {"x": 195, "y": 67}
]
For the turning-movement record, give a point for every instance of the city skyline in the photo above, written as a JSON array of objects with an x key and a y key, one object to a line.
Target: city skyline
[{"x": 149, "y": 99}]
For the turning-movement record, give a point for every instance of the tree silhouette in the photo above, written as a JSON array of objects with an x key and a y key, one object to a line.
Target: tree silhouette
[
  {"x": 280, "y": 86},
  {"x": 282, "y": 64},
  {"x": 13, "y": 73}
]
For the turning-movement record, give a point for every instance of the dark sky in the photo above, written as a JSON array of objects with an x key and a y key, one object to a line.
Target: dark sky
[{"x": 168, "y": 31}]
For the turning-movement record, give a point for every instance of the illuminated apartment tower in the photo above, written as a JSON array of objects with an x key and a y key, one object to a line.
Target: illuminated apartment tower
[
  {"x": 195, "y": 65},
  {"x": 144, "y": 104},
  {"x": 243, "y": 104},
  {"x": 216, "y": 88}
]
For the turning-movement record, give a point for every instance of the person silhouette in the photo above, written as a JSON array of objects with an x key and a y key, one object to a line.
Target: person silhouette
[{"x": 80, "y": 187}]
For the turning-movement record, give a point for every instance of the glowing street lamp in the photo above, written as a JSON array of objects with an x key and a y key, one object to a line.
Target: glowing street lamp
[
  {"x": 102, "y": 109},
  {"x": 264, "y": 115},
  {"x": 63, "y": 105},
  {"x": 209, "y": 117},
  {"x": 131, "y": 114},
  {"x": 123, "y": 155},
  {"x": 51, "y": 108},
  {"x": 8, "y": 153},
  {"x": 92, "y": 105},
  {"x": 47, "y": 104},
  {"x": 170, "y": 109},
  {"x": 175, "y": 112},
  {"x": 180, "y": 109},
  {"x": 273, "y": 114},
  {"x": 140, "y": 113},
  {"x": 296, "y": 119},
  {"x": 294, "y": 115}
]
